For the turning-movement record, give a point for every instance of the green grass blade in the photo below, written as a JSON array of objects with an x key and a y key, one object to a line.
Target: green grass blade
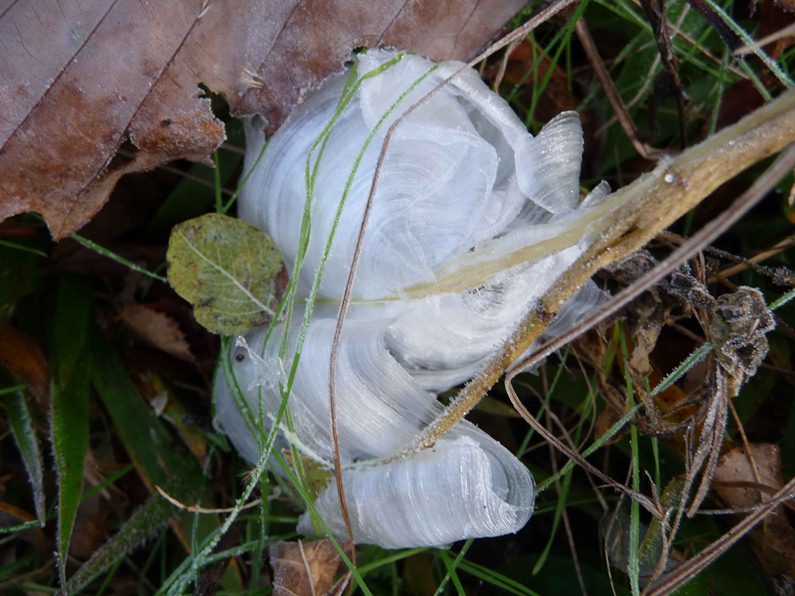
[
  {"x": 69, "y": 428},
  {"x": 154, "y": 452},
  {"x": 450, "y": 566},
  {"x": 16, "y": 407},
  {"x": 146, "y": 441},
  {"x": 559, "y": 507},
  {"x": 69, "y": 407},
  {"x": 145, "y": 523},
  {"x": 680, "y": 370},
  {"x": 34, "y": 523},
  {"x": 782, "y": 300},
  {"x": 101, "y": 250},
  {"x": 633, "y": 565},
  {"x": 23, "y": 248},
  {"x": 496, "y": 579}
]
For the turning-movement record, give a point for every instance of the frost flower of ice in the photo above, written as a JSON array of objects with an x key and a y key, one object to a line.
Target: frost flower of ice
[{"x": 463, "y": 185}]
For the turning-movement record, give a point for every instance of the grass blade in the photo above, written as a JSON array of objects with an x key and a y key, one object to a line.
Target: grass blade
[
  {"x": 496, "y": 579},
  {"x": 69, "y": 428},
  {"x": 101, "y": 250},
  {"x": 16, "y": 407},
  {"x": 148, "y": 444},
  {"x": 69, "y": 408},
  {"x": 145, "y": 523},
  {"x": 157, "y": 458}
]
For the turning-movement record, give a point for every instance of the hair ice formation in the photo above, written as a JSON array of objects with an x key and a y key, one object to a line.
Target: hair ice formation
[{"x": 462, "y": 181}]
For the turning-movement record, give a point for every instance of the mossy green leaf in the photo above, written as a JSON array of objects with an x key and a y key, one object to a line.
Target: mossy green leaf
[{"x": 227, "y": 269}]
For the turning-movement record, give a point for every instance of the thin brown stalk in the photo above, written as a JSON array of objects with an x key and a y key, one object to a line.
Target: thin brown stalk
[
  {"x": 755, "y": 260},
  {"x": 644, "y": 501},
  {"x": 504, "y": 65},
  {"x": 199, "y": 509},
  {"x": 25, "y": 577},
  {"x": 307, "y": 568},
  {"x": 565, "y": 515},
  {"x": 681, "y": 574},
  {"x": 633, "y": 215},
  {"x": 644, "y": 150},
  {"x": 747, "y": 446}
]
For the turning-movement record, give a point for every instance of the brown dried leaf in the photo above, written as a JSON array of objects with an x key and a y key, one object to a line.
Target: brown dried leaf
[
  {"x": 23, "y": 357},
  {"x": 303, "y": 567},
  {"x": 81, "y": 78},
  {"x": 734, "y": 470},
  {"x": 735, "y": 481},
  {"x": 157, "y": 329},
  {"x": 92, "y": 525},
  {"x": 11, "y": 515}
]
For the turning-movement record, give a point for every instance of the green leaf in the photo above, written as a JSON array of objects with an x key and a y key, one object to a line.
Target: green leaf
[
  {"x": 74, "y": 303},
  {"x": 149, "y": 445},
  {"x": 227, "y": 269},
  {"x": 70, "y": 392},
  {"x": 70, "y": 444},
  {"x": 158, "y": 459},
  {"x": 28, "y": 444}
]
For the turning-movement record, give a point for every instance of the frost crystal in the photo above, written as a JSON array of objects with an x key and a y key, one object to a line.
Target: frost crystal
[{"x": 463, "y": 184}]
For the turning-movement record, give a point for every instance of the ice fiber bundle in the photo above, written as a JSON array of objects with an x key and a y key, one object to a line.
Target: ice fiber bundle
[{"x": 463, "y": 185}]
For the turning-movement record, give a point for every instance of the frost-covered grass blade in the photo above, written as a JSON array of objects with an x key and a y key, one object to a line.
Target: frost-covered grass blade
[
  {"x": 70, "y": 413},
  {"x": 16, "y": 407}
]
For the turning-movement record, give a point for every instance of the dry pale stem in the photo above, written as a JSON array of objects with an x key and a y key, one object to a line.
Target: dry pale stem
[{"x": 623, "y": 223}]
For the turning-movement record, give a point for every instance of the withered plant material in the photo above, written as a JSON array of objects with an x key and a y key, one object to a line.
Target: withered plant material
[
  {"x": 746, "y": 479},
  {"x": 156, "y": 329},
  {"x": 740, "y": 322},
  {"x": 667, "y": 411},
  {"x": 629, "y": 218},
  {"x": 303, "y": 567},
  {"x": 81, "y": 78},
  {"x": 23, "y": 357},
  {"x": 655, "y": 13},
  {"x": 729, "y": 37}
]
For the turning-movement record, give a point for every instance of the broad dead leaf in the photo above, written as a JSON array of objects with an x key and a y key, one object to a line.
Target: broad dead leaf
[
  {"x": 303, "y": 567},
  {"x": 736, "y": 483},
  {"x": 735, "y": 478},
  {"x": 157, "y": 329},
  {"x": 81, "y": 78}
]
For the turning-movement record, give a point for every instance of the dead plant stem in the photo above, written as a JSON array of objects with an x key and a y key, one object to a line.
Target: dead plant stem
[
  {"x": 632, "y": 216},
  {"x": 687, "y": 570}
]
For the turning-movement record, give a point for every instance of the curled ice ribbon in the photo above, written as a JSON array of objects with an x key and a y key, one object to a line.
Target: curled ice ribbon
[{"x": 463, "y": 183}]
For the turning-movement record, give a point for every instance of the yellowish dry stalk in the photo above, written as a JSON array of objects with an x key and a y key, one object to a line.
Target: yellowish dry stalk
[{"x": 622, "y": 224}]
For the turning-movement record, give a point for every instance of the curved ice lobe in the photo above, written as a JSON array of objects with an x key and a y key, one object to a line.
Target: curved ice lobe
[
  {"x": 466, "y": 486},
  {"x": 463, "y": 190}
]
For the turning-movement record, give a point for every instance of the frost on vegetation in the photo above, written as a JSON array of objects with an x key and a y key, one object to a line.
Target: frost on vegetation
[{"x": 463, "y": 186}]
